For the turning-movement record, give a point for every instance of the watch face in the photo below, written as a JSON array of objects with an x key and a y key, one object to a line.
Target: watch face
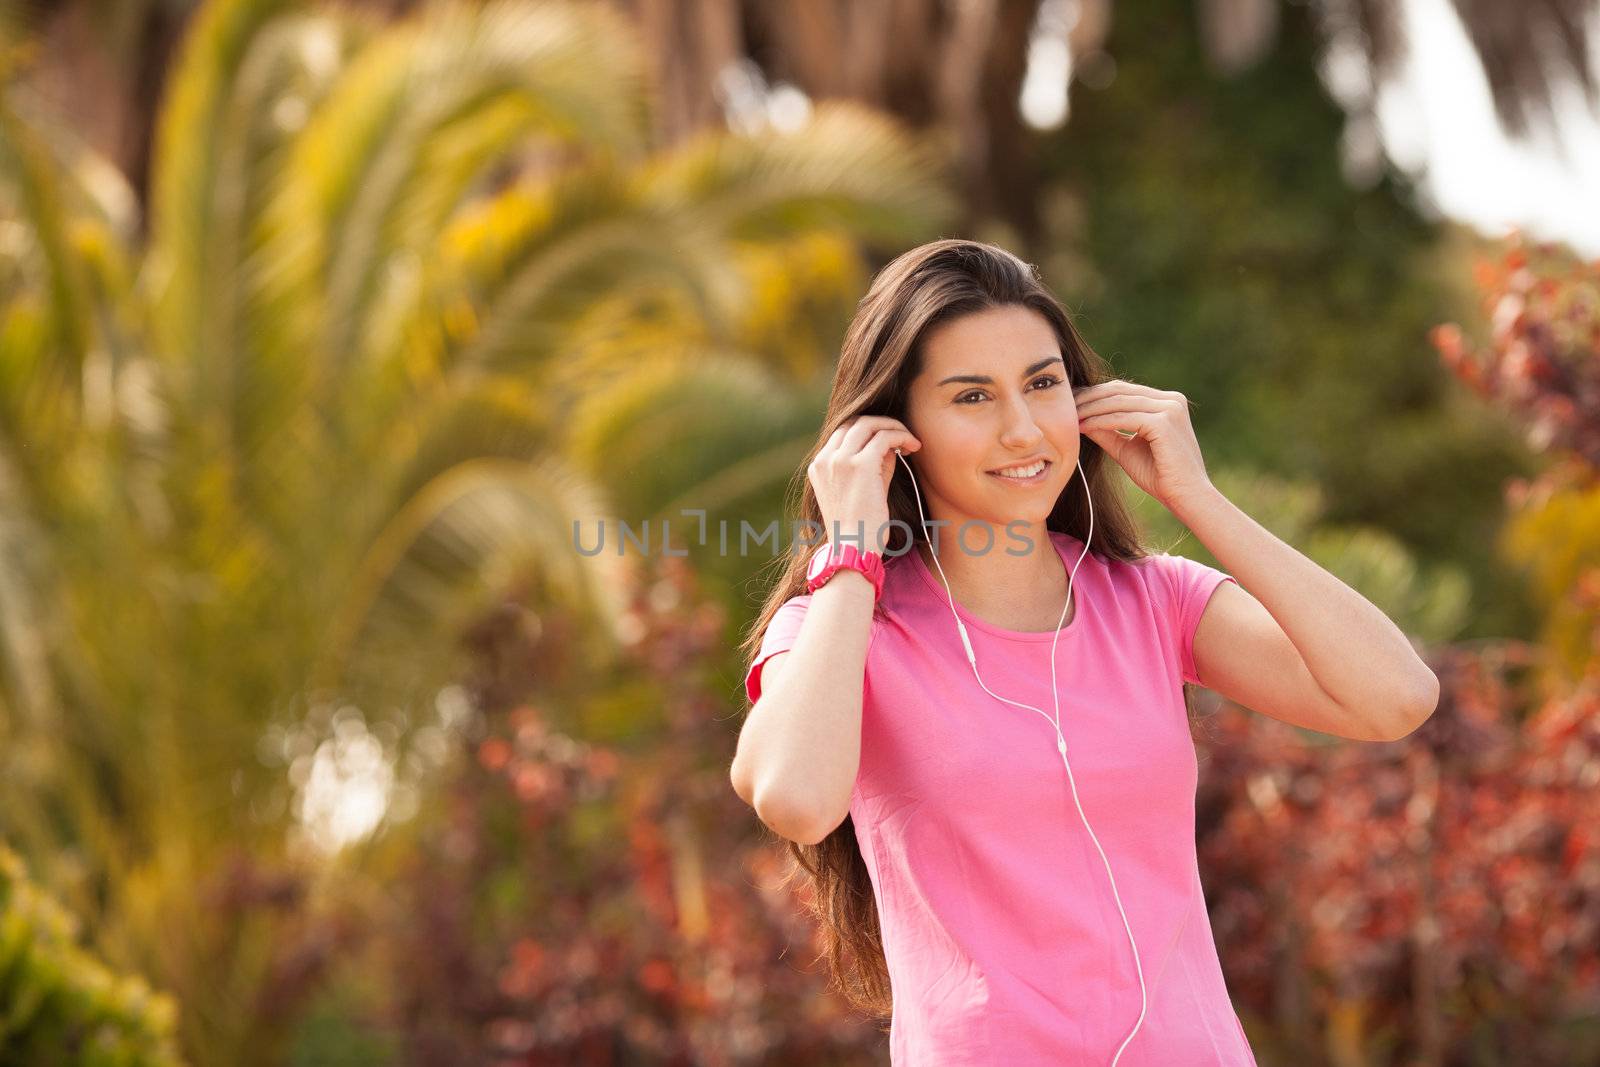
[{"x": 819, "y": 560}]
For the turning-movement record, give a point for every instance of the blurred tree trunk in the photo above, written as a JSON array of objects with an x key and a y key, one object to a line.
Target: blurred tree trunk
[
  {"x": 928, "y": 62},
  {"x": 987, "y": 61},
  {"x": 159, "y": 30},
  {"x": 103, "y": 66},
  {"x": 691, "y": 42}
]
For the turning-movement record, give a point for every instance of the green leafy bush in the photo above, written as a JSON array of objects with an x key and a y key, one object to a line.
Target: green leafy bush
[{"x": 58, "y": 1003}]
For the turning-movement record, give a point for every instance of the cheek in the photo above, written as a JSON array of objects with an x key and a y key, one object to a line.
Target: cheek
[
  {"x": 950, "y": 463},
  {"x": 961, "y": 451}
]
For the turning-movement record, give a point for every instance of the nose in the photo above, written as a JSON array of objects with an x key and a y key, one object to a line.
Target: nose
[{"x": 1021, "y": 431}]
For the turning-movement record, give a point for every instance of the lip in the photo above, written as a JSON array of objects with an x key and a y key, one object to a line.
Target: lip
[{"x": 1035, "y": 480}]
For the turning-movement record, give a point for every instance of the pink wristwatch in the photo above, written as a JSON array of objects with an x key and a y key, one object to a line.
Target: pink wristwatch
[{"x": 825, "y": 564}]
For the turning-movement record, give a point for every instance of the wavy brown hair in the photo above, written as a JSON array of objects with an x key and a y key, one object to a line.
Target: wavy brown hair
[{"x": 918, "y": 291}]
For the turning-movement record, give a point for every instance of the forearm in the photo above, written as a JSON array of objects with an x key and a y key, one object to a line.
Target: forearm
[
  {"x": 800, "y": 748},
  {"x": 1354, "y": 651}
]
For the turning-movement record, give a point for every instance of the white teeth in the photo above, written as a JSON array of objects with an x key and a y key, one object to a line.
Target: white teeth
[{"x": 1022, "y": 472}]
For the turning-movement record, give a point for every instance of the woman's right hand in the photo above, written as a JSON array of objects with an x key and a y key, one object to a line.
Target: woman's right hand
[{"x": 851, "y": 474}]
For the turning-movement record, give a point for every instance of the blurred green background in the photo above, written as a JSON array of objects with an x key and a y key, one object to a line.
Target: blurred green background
[{"x": 322, "y": 325}]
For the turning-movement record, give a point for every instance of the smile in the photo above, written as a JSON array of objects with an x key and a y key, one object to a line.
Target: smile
[{"x": 1030, "y": 475}]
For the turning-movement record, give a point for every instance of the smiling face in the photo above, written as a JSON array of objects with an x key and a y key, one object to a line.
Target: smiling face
[{"x": 993, "y": 394}]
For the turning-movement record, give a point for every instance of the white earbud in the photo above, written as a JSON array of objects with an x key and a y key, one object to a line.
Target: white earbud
[{"x": 1061, "y": 741}]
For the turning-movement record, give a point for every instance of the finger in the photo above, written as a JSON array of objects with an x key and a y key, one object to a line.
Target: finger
[
  {"x": 1120, "y": 388},
  {"x": 862, "y": 430},
  {"x": 1096, "y": 388},
  {"x": 832, "y": 443},
  {"x": 1138, "y": 389},
  {"x": 885, "y": 440},
  {"x": 1121, "y": 402},
  {"x": 1117, "y": 420}
]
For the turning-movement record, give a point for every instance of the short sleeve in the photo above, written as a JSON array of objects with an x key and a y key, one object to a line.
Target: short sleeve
[
  {"x": 780, "y": 636},
  {"x": 1191, "y": 585}
]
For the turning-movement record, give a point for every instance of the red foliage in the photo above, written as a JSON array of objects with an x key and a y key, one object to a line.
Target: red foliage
[
  {"x": 600, "y": 904},
  {"x": 1542, "y": 362},
  {"x": 1443, "y": 880}
]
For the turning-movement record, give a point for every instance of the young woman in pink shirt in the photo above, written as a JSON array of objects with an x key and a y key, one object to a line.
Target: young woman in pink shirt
[{"x": 968, "y": 709}]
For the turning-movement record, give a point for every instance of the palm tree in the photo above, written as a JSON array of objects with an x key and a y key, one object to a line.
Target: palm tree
[{"x": 415, "y": 298}]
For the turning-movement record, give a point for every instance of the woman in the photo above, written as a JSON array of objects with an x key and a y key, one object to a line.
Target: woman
[{"x": 974, "y": 730}]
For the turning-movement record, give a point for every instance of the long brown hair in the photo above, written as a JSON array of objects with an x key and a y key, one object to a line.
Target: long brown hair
[{"x": 918, "y": 291}]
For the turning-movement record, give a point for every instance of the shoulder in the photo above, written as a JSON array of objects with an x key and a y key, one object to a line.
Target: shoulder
[
  {"x": 1151, "y": 566},
  {"x": 1181, "y": 586},
  {"x": 1153, "y": 577},
  {"x": 1178, "y": 572}
]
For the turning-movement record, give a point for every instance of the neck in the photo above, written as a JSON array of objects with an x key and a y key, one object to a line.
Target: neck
[{"x": 1020, "y": 564}]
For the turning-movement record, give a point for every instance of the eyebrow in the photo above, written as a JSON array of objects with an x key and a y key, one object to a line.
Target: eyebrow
[{"x": 984, "y": 379}]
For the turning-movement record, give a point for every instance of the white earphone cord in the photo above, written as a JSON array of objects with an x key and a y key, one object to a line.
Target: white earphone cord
[{"x": 1061, "y": 741}]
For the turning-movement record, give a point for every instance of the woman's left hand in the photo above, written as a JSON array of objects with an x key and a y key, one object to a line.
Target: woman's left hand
[{"x": 1162, "y": 457}]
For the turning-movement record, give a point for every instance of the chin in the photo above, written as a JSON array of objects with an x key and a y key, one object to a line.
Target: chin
[{"x": 1036, "y": 511}]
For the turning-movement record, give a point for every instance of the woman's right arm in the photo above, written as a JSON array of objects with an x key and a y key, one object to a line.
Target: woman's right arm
[{"x": 800, "y": 747}]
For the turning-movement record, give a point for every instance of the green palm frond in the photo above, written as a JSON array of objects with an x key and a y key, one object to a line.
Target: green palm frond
[
  {"x": 736, "y": 434},
  {"x": 802, "y": 293},
  {"x": 459, "y": 422},
  {"x": 27, "y": 686},
  {"x": 284, "y": 76},
  {"x": 29, "y": 179},
  {"x": 495, "y": 417},
  {"x": 474, "y": 531},
  {"x": 518, "y": 269},
  {"x": 193, "y": 183},
  {"x": 413, "y": 124},
  {"x": 848, "y": 167},
  {"x": 63, "y": 318}
]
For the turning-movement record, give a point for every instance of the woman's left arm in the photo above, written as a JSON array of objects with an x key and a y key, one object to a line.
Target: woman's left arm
[
  {"x": 1362, "y": 661},
  {"x": 1300, "y": 645}
]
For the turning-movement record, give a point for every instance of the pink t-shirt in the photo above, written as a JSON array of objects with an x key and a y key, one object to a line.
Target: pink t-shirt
[{"x": 1003, "y": 939}]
